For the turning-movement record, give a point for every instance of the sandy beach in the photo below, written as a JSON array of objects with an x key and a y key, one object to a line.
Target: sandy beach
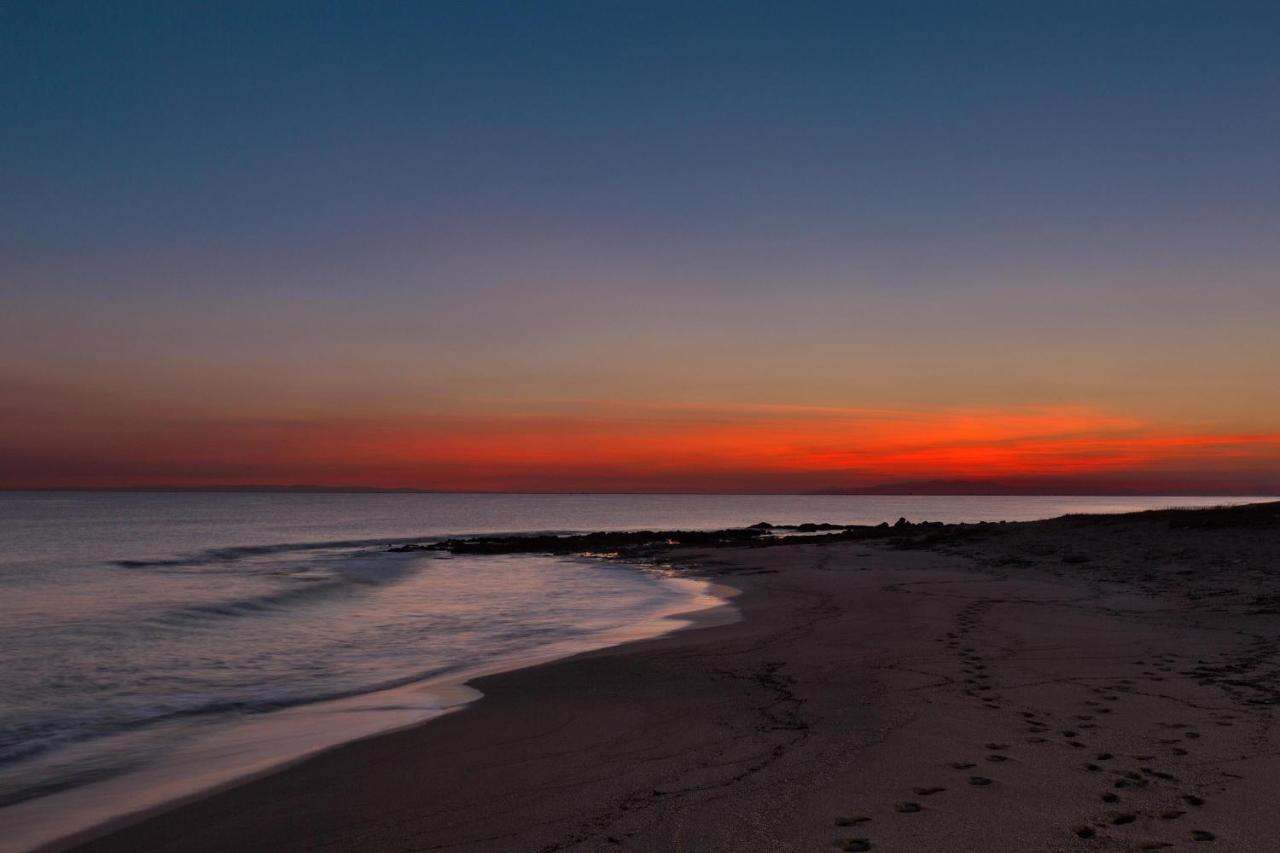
[{"x": 1085, "y": 683}]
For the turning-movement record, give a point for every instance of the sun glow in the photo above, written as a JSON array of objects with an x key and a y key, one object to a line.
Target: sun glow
[{"x": 620, "y": 447}]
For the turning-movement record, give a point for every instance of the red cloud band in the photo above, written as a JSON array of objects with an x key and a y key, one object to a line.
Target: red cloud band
[{"x": 612, "y": 447}]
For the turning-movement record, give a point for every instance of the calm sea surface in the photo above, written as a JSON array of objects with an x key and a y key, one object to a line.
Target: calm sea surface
[{"x": 162, "y": 641}]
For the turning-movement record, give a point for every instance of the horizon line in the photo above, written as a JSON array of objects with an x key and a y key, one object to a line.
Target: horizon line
[{"x": 869, "y": 492}]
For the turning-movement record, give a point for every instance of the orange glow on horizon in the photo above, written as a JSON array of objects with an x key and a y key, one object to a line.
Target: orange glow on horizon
[{"x": 621, "y": 448}]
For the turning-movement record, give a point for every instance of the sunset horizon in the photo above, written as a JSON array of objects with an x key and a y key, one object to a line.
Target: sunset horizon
[
  {"x": 770, "y": 449},
  {"x": 886, "y": 247},
  {"x": 629, "y": 447},
  {"x": 642, "y": 426}
]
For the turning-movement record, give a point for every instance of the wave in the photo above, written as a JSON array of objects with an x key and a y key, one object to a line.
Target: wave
[
  {"x": 21, "y": 743},
  {"x": 69, "y": 778},
  {"x": 249, "y": 606},
  {"x": 271, "y": 627},
  {"x": 239, "y": 552},
  {"x": 337, "y": 575},
  {"x": 342, "y": 575}
]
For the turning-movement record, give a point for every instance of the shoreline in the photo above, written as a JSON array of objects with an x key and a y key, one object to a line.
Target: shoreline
[
  {"x": 1103, "y": 681},
  {"x": 98, "y": 809}
]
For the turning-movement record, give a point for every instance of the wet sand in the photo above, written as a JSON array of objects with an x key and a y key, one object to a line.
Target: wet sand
[{"x": 1078, "y": 684}]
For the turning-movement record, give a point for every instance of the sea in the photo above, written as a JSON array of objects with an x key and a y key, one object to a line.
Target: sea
[{"x": 157, "y": 644}]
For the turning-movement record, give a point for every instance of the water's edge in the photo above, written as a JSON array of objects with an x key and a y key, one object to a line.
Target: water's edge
[
  {"x": 57, "y": 546},
  {"x": 62, "y": 820}
]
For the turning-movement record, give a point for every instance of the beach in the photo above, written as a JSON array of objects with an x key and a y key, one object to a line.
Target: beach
[{"x": 1096, "y": 682}]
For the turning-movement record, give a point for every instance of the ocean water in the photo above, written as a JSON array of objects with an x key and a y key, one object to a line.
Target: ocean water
[{"x": 155, "y": 643}]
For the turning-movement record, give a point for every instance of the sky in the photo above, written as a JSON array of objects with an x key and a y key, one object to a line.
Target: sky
[{"x": 598, "y": 246}]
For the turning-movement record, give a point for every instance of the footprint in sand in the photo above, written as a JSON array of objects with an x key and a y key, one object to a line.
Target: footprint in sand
[
  {"x": 1084, "y": 831},
  {"x": 1159, "y": 774},
  {"x": 927, "y": 792},
  {"x": 1122, "y": 818},
  {"x": 907, "y": 807},
  {"x": 1202, "y": 835},
  {"x": 979, "y": 780},
  {"x": 855, "y": 844},
  {"x": 851, "y": 821}
]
